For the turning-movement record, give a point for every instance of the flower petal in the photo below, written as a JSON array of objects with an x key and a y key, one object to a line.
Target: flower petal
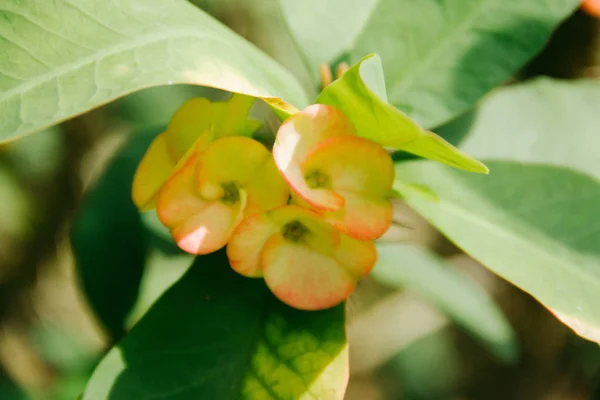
[
  {"x": 297, "y": 137},
  {"x": 230, "y": 118},
  {"x": 357, "y": 256},
  {"x": 363, "y": 218},
  {"x": 151, "y": 174},
  {"x": 197, "y": 225},
  {"x": 246, "y": 244},
  {"x": 227, "y": 160},
  {"x": 191, "y": 121},
  {"x": 322, "y": 236},
  {"x": 266, "y": 189},
  {"x": 249, "y": 237},
  {"x": 303, "y": 278},
  {"x": 353, "y": 164},
  {"x": 210, "y": 229},
  {"x": 362, "y": 173}
]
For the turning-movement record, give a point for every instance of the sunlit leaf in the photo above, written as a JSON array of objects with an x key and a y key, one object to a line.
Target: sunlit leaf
[
  {"x": 62, "y": 58},
  {"x": 439, "y": 56},
  {"x": 360, "y": 94},
  {"x": 536, "y": 226},
  {"x": 218, "y": 335},
  {"x": 545, "y": 120}
]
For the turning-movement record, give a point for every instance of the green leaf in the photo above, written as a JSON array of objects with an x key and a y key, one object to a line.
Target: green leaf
[
  {"x": 9, "y": 390},
  {"x": 218, "y": 335},
  {"x": 109, "y": 240},
  {"x": 421, "y": 271},
  {"x": 360, "y": 94},
  {"x": 323, "y": 31},
  {"x": 161, "y": 272},
  {"x": 545, "y": 120},
  {"x": 62, "y": 58},
  {"x": 439, "y": 56},
  {"x": 535, "y": 225}
]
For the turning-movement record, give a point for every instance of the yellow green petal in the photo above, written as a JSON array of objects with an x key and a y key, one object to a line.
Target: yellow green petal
[
  {"x": 352, "y": 164},
  {"x": 357, "y": 256},
  {"x": 247, "y": 242},
  {"x": 266, "y": 189},
  {"x": 151, "y": 174},
  {"x": 198, "y": 226},
  {"x": 250, "y": 236},
  {"x": 230, "y": 118},
  {"x": 302, "y": 277},
  {"x": 191, "y": 121},
  {"x": 229, "y": 160},
  {"x": 363, "y": 217}
]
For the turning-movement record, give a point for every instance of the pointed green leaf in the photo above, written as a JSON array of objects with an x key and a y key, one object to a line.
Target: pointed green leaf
[
  {"x": 62, "y": 58},
  {"x": 536, "y": 226},
  {"x": 360, "y": 93},
  {"x": 439, "y": 56},
  {"x": 218, "y": 335},
  {"x": 421, "y": 271}
]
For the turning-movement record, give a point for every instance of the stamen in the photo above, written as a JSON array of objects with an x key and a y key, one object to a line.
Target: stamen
[
  {"x": 317, "y": 179},
  {"x": 295, "y": 231},
  {"x": 231, "y": 193}
]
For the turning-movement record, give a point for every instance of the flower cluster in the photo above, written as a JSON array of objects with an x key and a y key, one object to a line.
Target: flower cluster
[{"x": 213, "y": 185}]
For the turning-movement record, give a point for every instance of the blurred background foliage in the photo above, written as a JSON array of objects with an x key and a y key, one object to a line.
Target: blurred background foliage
[{"x": 414, "y": 336}]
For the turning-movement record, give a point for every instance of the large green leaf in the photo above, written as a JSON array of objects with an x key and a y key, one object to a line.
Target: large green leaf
[
  {"x": 322, "y": 31},
  {"x": 421, "y": 271},
  {"x": 544, "y": 120},
  {"x": 60, "y": 58},
  {"x": 439, "y": 56},
  {"x": 110, "y": 241},
  {"x": 218, "y": 335},
  {"x": 535, "y": 225},
  {"x": 361, "y": 94}
]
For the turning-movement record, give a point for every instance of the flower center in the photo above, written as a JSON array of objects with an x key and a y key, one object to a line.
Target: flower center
[
  {"x": 317, "y": 179},
  {"x": 231, "y": 193},
  {"x": 294, "y": 231}
]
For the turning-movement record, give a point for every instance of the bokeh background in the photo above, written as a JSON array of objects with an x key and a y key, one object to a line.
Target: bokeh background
[{"x": 402, "y": 347}]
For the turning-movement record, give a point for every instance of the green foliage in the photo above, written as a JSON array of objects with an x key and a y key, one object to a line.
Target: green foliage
[
  {"x": 534, "y": 225},
  {"x": 9, "y": 390},
  {"x": 544, "y": 120},
  {"x": 419, "y": 270},
  {"x": 361, "y": 94},
  {"x": 218, "y": 335},
  {"x": 439, "y": 56},
  {"x": 109, "y": 240},
  {"x": 62, "y": 58}
]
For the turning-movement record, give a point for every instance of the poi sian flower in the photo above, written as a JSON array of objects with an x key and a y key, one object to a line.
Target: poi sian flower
[
  {"x": 208, "y": 196},
  {"x": 306, "y": 262},
  {"x": 212, "y": 186},
  {"x": 195, "y": 124},
  {"x": 345, "y": 178}
]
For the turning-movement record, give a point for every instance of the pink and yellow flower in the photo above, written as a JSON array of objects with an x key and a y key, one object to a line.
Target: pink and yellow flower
[
  {"x": 212, "y": 186},
  {"x": 195, "y": 124},
  {"x": 207, "y": 197},
  {"x": 345, "y": 178},
  {"x": 306, "y": 262}
]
